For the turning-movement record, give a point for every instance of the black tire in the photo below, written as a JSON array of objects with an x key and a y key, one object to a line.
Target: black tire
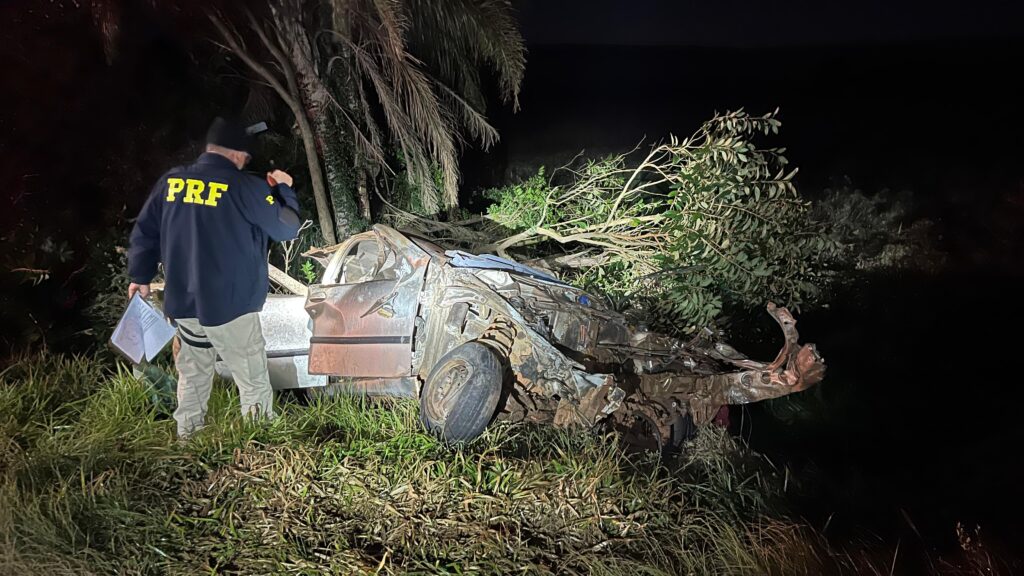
[{"x": 460, "y": 397}]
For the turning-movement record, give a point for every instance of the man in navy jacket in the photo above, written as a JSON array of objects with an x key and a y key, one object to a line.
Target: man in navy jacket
[{"x": 210, "y": 225}]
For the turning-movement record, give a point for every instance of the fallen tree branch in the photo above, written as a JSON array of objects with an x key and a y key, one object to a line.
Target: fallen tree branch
[
  {"x": 285, "y": 281},
  {"x": 458, "y": 232},
  {"x": 586, "y": 259}
]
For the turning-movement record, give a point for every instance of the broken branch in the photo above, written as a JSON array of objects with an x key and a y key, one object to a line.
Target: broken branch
[{"x": 285, "y": 281}]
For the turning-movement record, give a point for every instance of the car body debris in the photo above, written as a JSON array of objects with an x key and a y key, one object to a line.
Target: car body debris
[{"x": 482, "y": 338}]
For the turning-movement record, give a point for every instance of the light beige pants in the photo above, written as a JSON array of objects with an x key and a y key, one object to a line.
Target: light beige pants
[{"x": 240, "y": 344}]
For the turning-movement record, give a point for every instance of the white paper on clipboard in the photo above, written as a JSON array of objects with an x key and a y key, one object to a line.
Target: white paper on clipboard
[{"x": 142, "y": 331}]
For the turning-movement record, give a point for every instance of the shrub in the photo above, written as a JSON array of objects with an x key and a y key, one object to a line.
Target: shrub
[{"x": 878, "y": 231}]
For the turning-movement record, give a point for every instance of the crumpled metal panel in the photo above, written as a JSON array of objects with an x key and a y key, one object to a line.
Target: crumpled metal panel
[
  {"x": 539, "y": 367},
  {"x": 461, "y": 259},
  {"x": 796, "y": 368},
  {"x": 561, "y": 314},
  {"x": 599, "y": 398},
  {"x": 363, "y": 330}
]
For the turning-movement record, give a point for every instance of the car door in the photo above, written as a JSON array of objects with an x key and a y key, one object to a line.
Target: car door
[
  {"x": 363, "y": 324},
  {"x": 286, "y": 331}
]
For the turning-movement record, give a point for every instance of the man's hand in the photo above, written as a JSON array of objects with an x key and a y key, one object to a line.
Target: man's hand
[
  {"x": 279, "y": 177},
  {"x": 142, "y": 289}
]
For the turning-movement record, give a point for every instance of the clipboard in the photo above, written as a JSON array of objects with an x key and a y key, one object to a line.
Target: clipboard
[{"x": 142, "y": 332}]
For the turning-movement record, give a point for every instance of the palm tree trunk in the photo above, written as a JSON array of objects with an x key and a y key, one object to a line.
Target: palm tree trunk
[
  {"x": 362, "y": 190},
  {"x": 317, "y": 102},
  {"x": 323, "y": 207},
  {"x": 339, "y": 180}
]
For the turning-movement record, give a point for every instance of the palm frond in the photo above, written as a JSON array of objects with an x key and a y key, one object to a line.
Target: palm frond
[
  {"x": 406, "y": 130},
  {"x": 473, "y": 120},
  {"x": 423, "y": 113},
  {"x": 467, "y": 33},
  {"x": 373, "y": 131},
  {"x": 414, "y": 114}
]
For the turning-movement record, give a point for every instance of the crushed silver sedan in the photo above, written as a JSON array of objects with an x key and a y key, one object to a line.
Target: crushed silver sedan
[{"x": 481, "y": 338}]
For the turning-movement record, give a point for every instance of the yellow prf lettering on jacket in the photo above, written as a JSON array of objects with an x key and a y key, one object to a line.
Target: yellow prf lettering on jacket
[
  {"x": 194, "y": 191},
  {"x": 216, "y": 190},
  {"x": 174, "y": 186}
]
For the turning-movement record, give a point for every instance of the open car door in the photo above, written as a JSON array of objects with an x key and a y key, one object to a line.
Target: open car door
[{"x": 364, "y": 312}]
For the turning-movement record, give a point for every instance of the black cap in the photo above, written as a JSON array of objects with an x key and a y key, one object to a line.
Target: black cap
[{"x": 229, "y": 134}]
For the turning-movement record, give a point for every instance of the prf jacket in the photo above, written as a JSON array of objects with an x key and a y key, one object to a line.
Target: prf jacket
[{"x": 211, "y": 224}]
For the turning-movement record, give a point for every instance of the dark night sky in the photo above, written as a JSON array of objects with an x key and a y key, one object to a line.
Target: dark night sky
[{"x": 735, "y": 23}]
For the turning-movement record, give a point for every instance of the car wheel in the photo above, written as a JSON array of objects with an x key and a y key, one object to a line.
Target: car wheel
[
  {"x": 461, "y": 394},
  {"x": 640, "y": 433},
  {"x": 683, "y": 429},
  {"x": 655, "y": 431}
]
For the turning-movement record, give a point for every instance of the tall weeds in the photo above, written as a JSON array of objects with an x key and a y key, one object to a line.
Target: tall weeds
[{"x": 92, "y": 482}]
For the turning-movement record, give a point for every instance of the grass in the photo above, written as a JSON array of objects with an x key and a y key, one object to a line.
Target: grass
[{"x": 92, "y": 482}]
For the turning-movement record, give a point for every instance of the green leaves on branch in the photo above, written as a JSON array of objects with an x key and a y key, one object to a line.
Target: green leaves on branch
[
  {"x": 694, "y": 226},
  {"x": 520, "y": 206}
]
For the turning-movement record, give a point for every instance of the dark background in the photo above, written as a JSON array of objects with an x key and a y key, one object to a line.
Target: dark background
[{"x": 916, "y": 427}]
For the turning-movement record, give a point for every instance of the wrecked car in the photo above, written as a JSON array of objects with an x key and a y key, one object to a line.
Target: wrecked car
[{"x": 481, "y": 338}]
